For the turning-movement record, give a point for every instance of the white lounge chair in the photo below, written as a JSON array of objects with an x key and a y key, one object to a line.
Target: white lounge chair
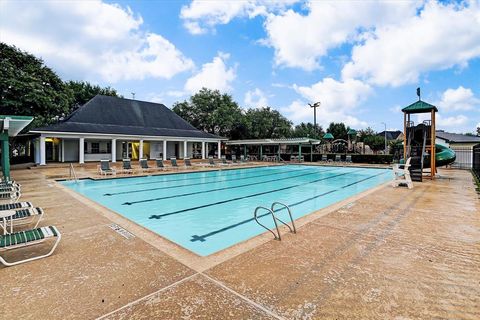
[
  {"x": 22, "y": 239},
  {"x": 104, "y": 168},
  {"x": 10, "y": 196},
  {"x": 127, "y": 166},
  {"x": 402, "y": 174},
  {"x": 24, "y": 216},
  {"x": 160, "y": 164},
  {"x": 144, "y": 165},
  {"x": 15, "y": 205}
]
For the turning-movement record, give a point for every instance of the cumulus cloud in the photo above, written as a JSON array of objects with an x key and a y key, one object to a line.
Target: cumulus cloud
[
  {"x": 299, "y": 40},
  {"x": 202, "y": 16},
  {"x": 339, "y": 99},
  {"x": 458, "y": 99},
  {"x": 440, "y": 37},
  {"x": 90, "y": 40},
  {"x": 255, "y": 98},
  {"x": 213, "y": 75}
]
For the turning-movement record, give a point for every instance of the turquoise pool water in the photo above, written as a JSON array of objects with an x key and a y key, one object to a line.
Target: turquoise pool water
[{"x": 209, "y": 211}]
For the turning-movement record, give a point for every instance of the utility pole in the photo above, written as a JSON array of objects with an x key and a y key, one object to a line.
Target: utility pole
[
  {"x": 314, "y": 106},
  {"x": 385, "y": 132}
]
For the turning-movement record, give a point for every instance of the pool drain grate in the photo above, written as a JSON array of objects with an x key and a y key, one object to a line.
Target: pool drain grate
[{"x": 124, "y": 233}]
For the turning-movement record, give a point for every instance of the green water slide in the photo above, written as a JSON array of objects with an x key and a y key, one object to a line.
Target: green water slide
[{"x": 443, "y": 155}]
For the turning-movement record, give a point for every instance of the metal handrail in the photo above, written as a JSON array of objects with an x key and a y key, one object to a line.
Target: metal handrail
[
  {"x": 72, "y": 173},
  {"x": 294, "y": 230},
  {"x": 277, "y": 236}
]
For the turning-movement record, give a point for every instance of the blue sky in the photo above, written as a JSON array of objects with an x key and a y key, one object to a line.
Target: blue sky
[{"x": 362, "y": 60}]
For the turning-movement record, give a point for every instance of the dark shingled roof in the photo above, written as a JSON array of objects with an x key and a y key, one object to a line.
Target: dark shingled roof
[
  {"x": 419, "y": 107},
  {"x": 391, "y": 135},
  {"x": 456, "y": 137},
  {"x": 111, "y": 115}
]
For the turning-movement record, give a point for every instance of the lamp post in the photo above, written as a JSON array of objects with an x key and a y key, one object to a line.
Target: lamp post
[
  {"x": 385, "y": 132},
  {"x": 314, "y": 106}
]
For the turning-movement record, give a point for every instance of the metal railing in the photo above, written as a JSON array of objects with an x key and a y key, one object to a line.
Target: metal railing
[
  {"x": 476, "y": 160},
  {"x": 72, "y": 175},
  {"x": 271, "y": 210},
  {"x": 464, "y": 157}
]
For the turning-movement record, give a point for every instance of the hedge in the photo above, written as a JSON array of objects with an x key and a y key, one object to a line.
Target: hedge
[{"x": 372, "y": 158}]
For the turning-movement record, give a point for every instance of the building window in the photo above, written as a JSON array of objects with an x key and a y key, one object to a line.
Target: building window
[
  {"x": 109, "y": 147},
  {"x": 95, "y": 147}
]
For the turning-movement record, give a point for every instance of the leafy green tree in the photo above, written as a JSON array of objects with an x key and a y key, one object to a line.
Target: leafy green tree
[
  {"x": 266, "y": 123},
  {"x": 375, "y": 142},
  {"x": 478, "y": 131},
  {"x": 212, "y": 112},
  {"x": 338, "y": 130},
  {"x": 363, "y": 133},
  {"x": 83, "y": 91},
  {"x": 28, "y": 87},
  {"x": 307, "y": 130}
]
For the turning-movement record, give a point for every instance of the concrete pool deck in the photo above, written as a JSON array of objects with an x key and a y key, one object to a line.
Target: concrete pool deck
[{"x": 391, "y": 253}]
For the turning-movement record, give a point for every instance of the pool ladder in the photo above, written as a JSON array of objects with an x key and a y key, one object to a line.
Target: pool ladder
[
  {"x": 271, "y": 210},
  {"x": 72, "y": 174}
]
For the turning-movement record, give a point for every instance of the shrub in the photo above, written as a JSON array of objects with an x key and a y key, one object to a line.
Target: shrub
[{"x": 372, "y": 158}]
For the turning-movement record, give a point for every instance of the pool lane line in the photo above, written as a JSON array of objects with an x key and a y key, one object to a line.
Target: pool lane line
[
  {"x": 159, "y": 216},
  {"x": 207, "y": 182},
  {"x": 201, "y": 238},
  {"x": 224, "y": 188},
  {"x": 192, "y": 173}
]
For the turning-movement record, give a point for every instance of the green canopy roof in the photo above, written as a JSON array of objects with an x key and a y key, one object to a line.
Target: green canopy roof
[
  {"x": 419, "y": 107},
  {"x": 352, "y": 132},
  {"x": 328, "y": 136}
]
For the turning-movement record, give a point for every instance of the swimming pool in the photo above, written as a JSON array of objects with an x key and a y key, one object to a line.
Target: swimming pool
[{"x": 208, "y": 211}]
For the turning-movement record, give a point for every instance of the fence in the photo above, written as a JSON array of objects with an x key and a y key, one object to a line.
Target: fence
[
  {"x": 464, "y": 157},
  {"x": 476, "y": 160}
]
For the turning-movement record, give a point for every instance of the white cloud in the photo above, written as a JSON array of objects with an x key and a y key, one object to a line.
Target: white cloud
[
  {"x": 440, "y": 37},
  {"x": 458, "y": 99},
  {"x": 300, "y": 40},
  {"x": 213, "y": 75},
  {"x": 255, "y": 98},
  {"x": 202, "y": 16},
  {"x": 339, "y": 100},
  {"x": 457, "y": 123},
  {"x": 90, "y": 40}
]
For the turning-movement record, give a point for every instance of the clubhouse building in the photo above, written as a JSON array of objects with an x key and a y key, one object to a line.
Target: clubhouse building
[{"x": 116, "y": 128}]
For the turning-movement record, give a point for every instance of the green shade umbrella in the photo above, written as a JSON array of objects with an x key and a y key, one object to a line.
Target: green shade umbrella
[
  {"x": 328, "y": 136},
  {"x": 352, "y": 132}
]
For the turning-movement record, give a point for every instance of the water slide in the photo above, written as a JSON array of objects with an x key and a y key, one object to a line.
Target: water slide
[{"x": 443, "y": 155}]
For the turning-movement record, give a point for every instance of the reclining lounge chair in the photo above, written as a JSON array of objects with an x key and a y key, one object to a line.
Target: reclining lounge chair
[
  {"x": 104, "y": 168},
  {"x": 22, "y": 239}
]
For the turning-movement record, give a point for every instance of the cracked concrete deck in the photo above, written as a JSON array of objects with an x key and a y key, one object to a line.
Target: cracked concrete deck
[{"x": 393, "y": 253}]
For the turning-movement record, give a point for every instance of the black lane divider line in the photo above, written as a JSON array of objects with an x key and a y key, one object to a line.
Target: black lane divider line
[
  {"x": 159, "y": 216},
  {"x": 194, "y": 178},
  {"x": 220, "y": 189},
  {"x": 207, "y": 182},
  {"x": 201, "y": 238}
]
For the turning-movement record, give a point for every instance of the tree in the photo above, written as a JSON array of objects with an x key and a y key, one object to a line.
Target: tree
[
  {"x": 266, "y": 123},
  {"x": 478, "y": 131},
  {"x": 83, "y": 91},
  {"x": 338, "y": 130},
  {"x": 28, "y": 87},
  {"x": 307, "y": 130},
  {"x": 375, "y": 142},
  {"x": 364, "y": 133},
  {"x": 212, "y": 112}
]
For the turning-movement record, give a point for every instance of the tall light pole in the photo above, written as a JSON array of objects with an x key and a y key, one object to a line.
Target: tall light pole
[
  {"x": 385, "y": 132},
  {"x": 314, "y": 106}
]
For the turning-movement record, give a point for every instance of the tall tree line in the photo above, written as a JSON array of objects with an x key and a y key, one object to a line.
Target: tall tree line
[{"x": 29, "y": 87}]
